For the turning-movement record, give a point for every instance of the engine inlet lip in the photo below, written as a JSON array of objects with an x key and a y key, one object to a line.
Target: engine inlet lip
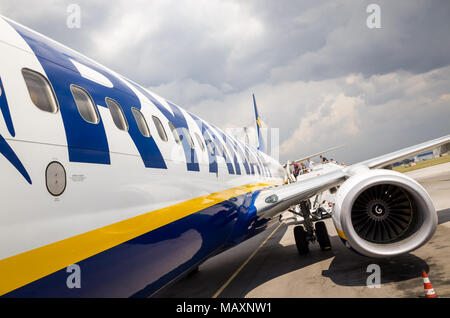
[{"x": 418, "y": 194}]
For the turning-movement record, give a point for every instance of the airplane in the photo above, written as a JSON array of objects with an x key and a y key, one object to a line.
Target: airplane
[{"x": 110, "y": 190}]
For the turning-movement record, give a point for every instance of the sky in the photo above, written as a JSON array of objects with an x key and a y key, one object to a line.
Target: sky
[{"x": 320, "y": 75}]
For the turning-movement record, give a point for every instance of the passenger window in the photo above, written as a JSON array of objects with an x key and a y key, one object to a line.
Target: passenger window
[
  {"x": 200, "y": 141},
  {"x": 210, "y": 146},
  {"x": 40, "y": 90},
  {"x": 219, "y": 147},
  {"x": 141, "y": 122},
  {"x": 174, "y": 132},
  {"x": 189, "y": 137},
  {"x": 85, "y": 105},
  {"x": 246, "y": 155},
  {"x": 160, "y": 128},
  {"x": 117, "y": 114}
]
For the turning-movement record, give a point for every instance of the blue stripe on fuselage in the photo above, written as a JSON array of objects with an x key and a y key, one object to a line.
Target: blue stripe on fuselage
[
  {"x": 5, "y": 148},
  {"x": 224, "y": 153},
  {"x": 207, "y": 136},
  {"x": 9, "y": 154},
  {"x": 88, "y": 142},
  {"x": 5, "y": 110},
  {"x": 179, "y": 121}
]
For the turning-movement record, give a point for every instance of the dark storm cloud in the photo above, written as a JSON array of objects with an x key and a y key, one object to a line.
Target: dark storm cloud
[
  {"x": 411, "y": 39},
  {"x": 49, "y": 18},
  {"x": 300, "y": 40}
]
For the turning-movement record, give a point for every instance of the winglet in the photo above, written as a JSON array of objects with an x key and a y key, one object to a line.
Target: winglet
[{"x": 261, "y": 146}]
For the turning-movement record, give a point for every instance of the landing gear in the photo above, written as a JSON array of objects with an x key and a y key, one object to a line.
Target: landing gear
[
  {"x": 310, "y": 232},
  {"x": 322, "y": 236},
  {"x": 300, "y": 240}
]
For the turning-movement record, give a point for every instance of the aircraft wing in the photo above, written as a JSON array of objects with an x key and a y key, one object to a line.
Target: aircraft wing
[
  {"x": 280, "y": 198},
  {"x": 319, "y": 153},
  {"x": 388, "y": 159}
]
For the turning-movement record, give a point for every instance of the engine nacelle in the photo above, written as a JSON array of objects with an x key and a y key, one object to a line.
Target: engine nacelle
[{"x": 383, "y": 213}]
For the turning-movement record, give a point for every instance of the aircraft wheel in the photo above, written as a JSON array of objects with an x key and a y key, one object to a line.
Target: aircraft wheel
[
  {"x": 300, "y": 240},
  {"x": 322, "y": 236}
]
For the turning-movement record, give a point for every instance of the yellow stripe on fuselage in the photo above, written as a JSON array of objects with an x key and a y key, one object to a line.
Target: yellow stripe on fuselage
[{"x": 19, "y": 270}]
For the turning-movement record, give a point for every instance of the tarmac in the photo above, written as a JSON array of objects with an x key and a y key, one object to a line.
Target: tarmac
[{"x": 268, "y": 264}]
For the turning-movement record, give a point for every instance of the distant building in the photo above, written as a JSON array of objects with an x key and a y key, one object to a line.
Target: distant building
[
  {"x": 424, "y": 156},
  {"x": 438, "y": 152},
  {"x": 403, "y": 162}
]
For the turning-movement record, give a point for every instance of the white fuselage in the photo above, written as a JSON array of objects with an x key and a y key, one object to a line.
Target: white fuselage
[{"x": 97, "y": 195}]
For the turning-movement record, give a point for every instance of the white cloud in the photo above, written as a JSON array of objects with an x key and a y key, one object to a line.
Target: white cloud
[
  {"x": 371, "y": 115},
  {"x": 445, "y": 97},
  {"x": 336, "y": 113}
]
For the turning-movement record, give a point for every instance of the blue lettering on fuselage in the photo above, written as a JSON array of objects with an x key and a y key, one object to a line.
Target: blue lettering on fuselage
[
  {"x": 5, "y": 110},
  {"x": 9, "y": 154},
  {"x": 241, "y": 154},
  {"x": 207, "y": 136},
  {"x": 179, "y": 121},
  {"x": 231, "y": 147},
  {"x": 253, "y": 164},
  {"x": 222, "y": 151},
  {"x": 5, "y": 148},
  {"x": 231, "y": 150},
  {"x": 87, "y": 142}
]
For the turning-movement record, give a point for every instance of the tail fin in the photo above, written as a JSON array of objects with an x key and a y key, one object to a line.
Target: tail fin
[{"x": 261, "y": 145}]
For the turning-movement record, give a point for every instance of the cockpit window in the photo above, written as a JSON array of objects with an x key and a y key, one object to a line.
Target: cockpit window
[{"x": 40, "y": 90}]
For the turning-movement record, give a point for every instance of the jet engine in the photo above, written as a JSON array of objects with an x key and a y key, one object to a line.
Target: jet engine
[{"x": 383, "y": 213}]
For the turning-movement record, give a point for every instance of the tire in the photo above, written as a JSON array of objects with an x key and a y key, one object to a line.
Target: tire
[
  {"x": 300, "y": 240},
  {"x": 322, "y": 236}
]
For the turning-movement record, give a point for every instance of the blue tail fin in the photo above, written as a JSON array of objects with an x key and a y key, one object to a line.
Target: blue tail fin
[{"x": 261, "y": 145}]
